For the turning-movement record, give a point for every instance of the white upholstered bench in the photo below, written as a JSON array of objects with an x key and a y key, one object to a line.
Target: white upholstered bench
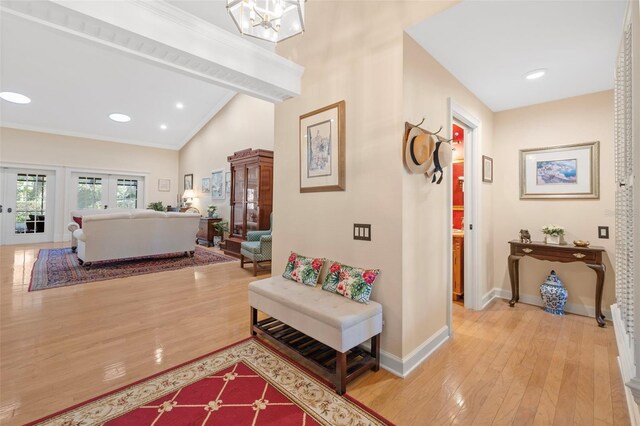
[{"x": 322, "y": 330}]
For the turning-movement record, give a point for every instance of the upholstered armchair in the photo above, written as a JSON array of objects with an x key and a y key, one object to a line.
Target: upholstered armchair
[{"x": 257, "y": 248}]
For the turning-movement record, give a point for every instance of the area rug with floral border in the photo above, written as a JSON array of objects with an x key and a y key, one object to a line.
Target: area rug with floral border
[
  {"x": 248, "y": 383},
  {"x": 60, "y": 267}
]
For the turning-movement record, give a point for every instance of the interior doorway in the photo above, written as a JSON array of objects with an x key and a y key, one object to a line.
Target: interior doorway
[{"x": 465, "y": 282}]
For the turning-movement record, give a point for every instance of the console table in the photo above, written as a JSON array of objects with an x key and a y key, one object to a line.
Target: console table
[{"x": 591, "y": 256}]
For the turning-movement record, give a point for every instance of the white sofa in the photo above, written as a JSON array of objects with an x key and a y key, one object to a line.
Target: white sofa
[
  {"x": 135, "y": 233},
  {"x": 72, "y": 226}
]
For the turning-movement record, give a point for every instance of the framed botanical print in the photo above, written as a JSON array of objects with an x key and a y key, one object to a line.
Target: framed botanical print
[
  {"x": 188, "y": 182},
  {"x": 217, "y": 185},
  {"x": 568, "y": 171},
  {"x": 322, "y": 149},
  {"x": 487, "y": 169},
  {"x": 206, "y": 185}
]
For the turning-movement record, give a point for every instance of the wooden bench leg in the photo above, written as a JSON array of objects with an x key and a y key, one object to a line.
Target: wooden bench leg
[
  {"x": 341, "y": 372},
  {"x": 375, "y": 351},
  {"x": 253, "y": 321}
]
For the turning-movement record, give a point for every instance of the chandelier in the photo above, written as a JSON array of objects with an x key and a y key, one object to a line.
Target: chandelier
[{"x": 271, "y": 20}]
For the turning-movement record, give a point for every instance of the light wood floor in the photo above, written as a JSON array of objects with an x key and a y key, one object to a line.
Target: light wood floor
[{"x": 504, "y": 366}]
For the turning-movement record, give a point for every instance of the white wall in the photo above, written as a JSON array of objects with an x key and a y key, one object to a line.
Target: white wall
[
  {"x": 580, "y": 119},
  {"x": 66, "y": 153},
  {"x": 245, "y": 122}
]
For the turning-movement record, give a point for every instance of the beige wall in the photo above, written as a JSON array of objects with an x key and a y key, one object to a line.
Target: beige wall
[
  {"x": 576, "y": 120},
  {"x": 245, "y": 122},
  {"x": 427, "y": 86},
  {"x": 351, "y": 51},
  {"x": 68, "y": 153}
]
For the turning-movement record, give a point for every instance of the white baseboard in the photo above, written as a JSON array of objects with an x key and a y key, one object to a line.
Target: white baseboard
[
  {"x": 401, "y": 367},
  {"x": 625, "y": 362},
  {"x": 587, "y": 311}
]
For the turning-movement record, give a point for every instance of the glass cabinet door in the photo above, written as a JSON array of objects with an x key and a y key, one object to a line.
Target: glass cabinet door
[
  {"x": 237, "y": 227},
  {"x": 253, "y": 176}
]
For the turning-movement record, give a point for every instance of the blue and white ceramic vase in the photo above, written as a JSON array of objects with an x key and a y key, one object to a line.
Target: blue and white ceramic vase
[{"x": 554, "y": 294}]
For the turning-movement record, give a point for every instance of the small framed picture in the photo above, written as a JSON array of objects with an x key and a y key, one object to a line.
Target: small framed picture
[
  {"x": 164, "y": 185},
  {"x": 568, "y": 171},
  {"x": 322, "y": 149},
  {"x": 206, "y": 185},
  {"x": 217, "y": 185},
  {"x": 487, "y": 169},
  {"x": 188, "y": 182}
]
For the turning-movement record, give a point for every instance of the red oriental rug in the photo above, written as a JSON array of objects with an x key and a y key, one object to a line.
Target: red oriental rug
[
  {"x": 248, "y": 383},
  {"x": 60, "y": 267}
]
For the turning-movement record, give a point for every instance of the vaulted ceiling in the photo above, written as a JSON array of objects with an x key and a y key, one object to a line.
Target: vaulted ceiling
[{"x": 81, "y": 61}]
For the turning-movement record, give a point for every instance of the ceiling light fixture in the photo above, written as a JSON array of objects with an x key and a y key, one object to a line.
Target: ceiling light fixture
[
  {"x": 180, "y": 105},
  {"x": 270, "y": 20},
  {"x": 16, "y": 98},
  {"x": 120, "y": 118},
  {"x": 163, "y": 126},
  {"x": 535, "y": 74}
]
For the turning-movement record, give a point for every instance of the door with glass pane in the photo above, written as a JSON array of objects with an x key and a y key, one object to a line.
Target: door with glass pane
[
  {"x": 97, "y": 191},
  {"x": 27, "y": 206}
]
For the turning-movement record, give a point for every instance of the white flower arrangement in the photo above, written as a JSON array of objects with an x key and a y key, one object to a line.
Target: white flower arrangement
[{"x": 553, "y": 230}]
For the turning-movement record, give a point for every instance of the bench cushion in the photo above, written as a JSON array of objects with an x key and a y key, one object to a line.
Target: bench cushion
[{"x": 329, "y": 318}]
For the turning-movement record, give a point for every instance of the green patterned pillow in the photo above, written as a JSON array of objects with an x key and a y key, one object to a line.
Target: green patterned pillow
[
  {"x": 302, "y": 269},
  {"x": 349, "y": 281}
]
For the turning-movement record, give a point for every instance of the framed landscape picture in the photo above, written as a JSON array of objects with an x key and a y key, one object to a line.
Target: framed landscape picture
[
  {"x": 569, "y": 171},
  {"x": 322, "y": 149},
  {"x": 217, "y": 185},
  {"x": 164, "y": 185}
]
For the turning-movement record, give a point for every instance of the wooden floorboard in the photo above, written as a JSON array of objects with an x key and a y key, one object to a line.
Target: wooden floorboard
[{"x": 503, "y": 366}]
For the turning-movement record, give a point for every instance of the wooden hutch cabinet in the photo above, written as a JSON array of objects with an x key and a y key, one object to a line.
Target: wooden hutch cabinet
[{"x": 251, "y": 195}]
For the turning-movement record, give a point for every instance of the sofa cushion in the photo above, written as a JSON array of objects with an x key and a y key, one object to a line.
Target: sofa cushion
[
  {"x": 351, "y": 282},
  {"x": 302, "y": 269},
  {"x": 329, "y": 308},
  {"x": 105, "y": 216}
]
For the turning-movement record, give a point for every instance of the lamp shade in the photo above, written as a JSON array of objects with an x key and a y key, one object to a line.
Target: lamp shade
[{"x": 188, "y": 193}]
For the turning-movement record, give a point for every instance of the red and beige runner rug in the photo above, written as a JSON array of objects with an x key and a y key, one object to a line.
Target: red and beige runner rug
[
  {"x": 245, "y": 384},
  {"x": 60, "y": 267}
]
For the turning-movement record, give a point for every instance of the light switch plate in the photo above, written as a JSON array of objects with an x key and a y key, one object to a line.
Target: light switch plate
[{"x": 362, "y": 231}]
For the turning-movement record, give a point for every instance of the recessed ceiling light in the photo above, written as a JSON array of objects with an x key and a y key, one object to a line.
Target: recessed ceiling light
[
  {"x": 16, "y": 98},
  {"x": 120, "y": 118},
  {"x": 180, "y": 105},
  {"x": 163, "y": 126},
  {"x": 535, "y": 74}
]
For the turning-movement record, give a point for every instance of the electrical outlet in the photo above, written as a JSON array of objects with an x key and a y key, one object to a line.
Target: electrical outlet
[
  {"x": 603, "y": 232},
  {"x": 362, "y": 231}
]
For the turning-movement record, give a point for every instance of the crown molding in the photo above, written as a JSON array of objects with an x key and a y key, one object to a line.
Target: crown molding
[
  {"x": 163, "y": 34},
  {"x": 54, "y": 131}
]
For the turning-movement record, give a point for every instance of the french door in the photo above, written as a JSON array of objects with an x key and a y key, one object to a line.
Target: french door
[
  {"x": 101, "y": 191},
  {"x": 27, "y": 206}
]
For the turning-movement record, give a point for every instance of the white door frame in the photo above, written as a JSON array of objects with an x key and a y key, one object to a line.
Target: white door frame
[
  {"x": 472, "y": 276},
  {"x": 49, "y": 235}
]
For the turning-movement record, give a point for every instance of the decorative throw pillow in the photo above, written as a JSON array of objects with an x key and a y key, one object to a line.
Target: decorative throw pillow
[
  {"x": 78, "y": 220},
  {"x": 302, "y": 269},
  {"x": 349, "y": 281}
]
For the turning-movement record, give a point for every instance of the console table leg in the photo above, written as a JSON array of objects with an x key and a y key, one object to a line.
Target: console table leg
[
  {"x": 514, "y": 278},
  {"x": 599, "y": 269}
]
